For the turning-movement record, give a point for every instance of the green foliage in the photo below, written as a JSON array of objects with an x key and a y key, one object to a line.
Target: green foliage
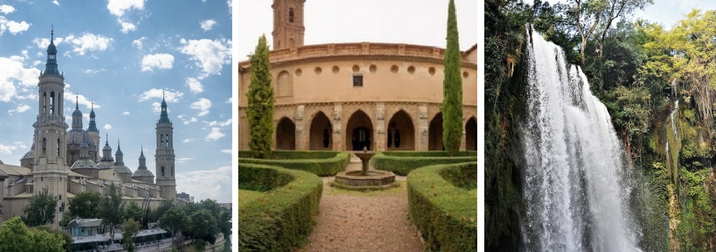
[
  {"x": 130, "y": 228},
  {"x": 41, "y": 209},
  {"x": 133, "y": 211},
  {"x": 283, "y": 218},
  {"x": 111, "y": 209},
  {"x": 203, "y": 226},
  {"x": 66, "y": 237},
  {"x": 444, "y": 213},
  {"x": 85, "y": 205},
  {"x": 260, "y": 102},
  {"x": 15, "y": 236},
  {"x": 696, "y": 230},
  {"x": 402, "y": 163},
  {"x": 161, "y": 210},
  {"x": 174, "y": 219},
  {"x": 319, "y": 163},
  {"x": 452, "y": 87}
]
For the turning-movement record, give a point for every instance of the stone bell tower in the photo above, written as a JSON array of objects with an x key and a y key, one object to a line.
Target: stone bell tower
[
  {"x": 50, "y": 167},
  {"x": 164, "y": 157},
  {"x": 288, "y": 26}
]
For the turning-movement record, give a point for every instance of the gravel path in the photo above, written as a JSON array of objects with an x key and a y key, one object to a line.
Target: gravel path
[{"x": 355, "y": 221}]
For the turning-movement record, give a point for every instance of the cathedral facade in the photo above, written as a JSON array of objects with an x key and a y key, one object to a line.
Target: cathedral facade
[
  {"x": 68, "y": 162},
  {"x": 348, "y": 96}
]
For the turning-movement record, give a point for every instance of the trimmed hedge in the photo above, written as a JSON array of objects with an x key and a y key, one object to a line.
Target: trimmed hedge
[
  {"x": 321, "y": 163},
  {"x": 446, "y": 215},
  {"x": 284, "y": 217},
  {"x": 401, "y": 163}
]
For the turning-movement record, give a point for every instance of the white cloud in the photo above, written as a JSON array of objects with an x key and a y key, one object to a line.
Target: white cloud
[
  {"x": 7, "y": 9},
  {"x": 194, "y": 85},
  {"x": 14, "y": 75},
  {"x": 7, "y": 149},
  {"x": 169, "y": 96},
  {"x": 19, "y": 109},
  {"x": 186, "y": 120},
  {"x": 107, "y": 127},
  {"x": 226, "y": 151},
  {"x": 138, "y": 42},
  {"x": 88, "y": 42},
  {"x": 161, "y": 61},
  {"x": 183, "y": 160},
  {"x": 42, "y": 43},
  {"x": 210, "y": 54},
  {"x": 203, "y": 105},
  {"x": 218, "y": 123},
  {"x": 156, "y": 108},
  {"x": 206, "y": 25},
  {"x": 56, "y": 2},
  {"x": 215, "y": 134},
  {"x": 125, "y": 113},
  {"x": 71, "y": 98},
  {"x": 12, "y": 26},
  {"x": 119, "y": 8},
  {"x": 94, "y": 71},
  {"x": 203, "y": 184},
  {"x": 188, "y": 140}
]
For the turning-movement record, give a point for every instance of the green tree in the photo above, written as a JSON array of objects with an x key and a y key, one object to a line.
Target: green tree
[
  {"x": 111, "y": 209},
  {"x": 159, "y": 211},
  {"x": 203, "y": 225},
  {"x": 452, "y": 87},
  {"x": 260, "y": 102},
  {"x": 66, "y": 237},
  {"x": 175, "y": 219},
  {"x": 130, "y": 228},
  {"x": 133, "y": 211},
  {"x": 41, "y": 209},
  {"x": 85, "y": 205},
  {"x": 15, "y": 236}
]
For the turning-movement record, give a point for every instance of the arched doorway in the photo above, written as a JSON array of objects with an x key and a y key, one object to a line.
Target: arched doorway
[
  {"x": 471, "y": 134},
  {"x": 321, "y": 134},
  {"x": 401, "y": 133},
  {"x": 285, "y": 134},
  {"x": 435, "y": 133},
  {"x": 359, "y": 132}
]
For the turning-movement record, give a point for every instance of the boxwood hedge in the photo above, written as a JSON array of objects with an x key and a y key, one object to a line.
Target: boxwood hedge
[
  {"x": 445, "y": 214},
  {"x": 401, "y": 163},
  {"x": 283, "y": 218},
  {"x": 321, "y": 163}
]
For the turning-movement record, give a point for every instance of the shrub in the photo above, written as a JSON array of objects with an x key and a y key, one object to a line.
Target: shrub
[
  {"x": 283, "y": 218},
  {"x": 445, "y": 214},
  {"x": 321, "y": 163},
  {"x": 401, "y": 163}
]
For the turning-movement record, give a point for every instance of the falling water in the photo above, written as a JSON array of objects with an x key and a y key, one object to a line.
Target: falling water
[{"x": 575, "y": 184}]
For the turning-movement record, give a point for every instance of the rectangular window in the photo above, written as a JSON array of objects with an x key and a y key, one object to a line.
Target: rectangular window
[{"x": 358, "y": 80}]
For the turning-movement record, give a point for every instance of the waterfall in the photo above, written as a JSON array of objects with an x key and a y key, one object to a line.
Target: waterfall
[{"x": 575, "y": 184}]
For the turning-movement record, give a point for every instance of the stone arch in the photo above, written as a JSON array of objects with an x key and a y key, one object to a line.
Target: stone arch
[
  {"x": 321, "y": 132},
  {"x": 471, "y": 134},
  {"x": 285, "y": 134},
  {"x": 435, "y": 133},
  {"x": 359, "y": 131},
  {"x": 284, "y": 84},
  {"x": 401, "y": 132}
]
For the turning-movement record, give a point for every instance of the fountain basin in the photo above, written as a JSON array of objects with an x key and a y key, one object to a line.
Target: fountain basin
[{"x": 373, "y": 180}]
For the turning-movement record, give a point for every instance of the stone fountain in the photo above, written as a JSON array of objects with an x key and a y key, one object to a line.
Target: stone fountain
[{"x": 365, "y": 179}]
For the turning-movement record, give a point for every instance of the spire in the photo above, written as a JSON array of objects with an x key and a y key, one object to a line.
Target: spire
[
  {"x": 92, "y": 124},
  {"x": 164, "y": 117},
  {"x": 77, "y": 116},
  {"x": 51, "y": 65},
  {"x": 119, "y": 155}
]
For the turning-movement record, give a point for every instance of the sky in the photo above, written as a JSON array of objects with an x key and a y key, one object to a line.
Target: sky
[
  {"x": 122, "y": 54},
  {"x": 420, "y": 22},
  {"x": 665, "y": 12}
]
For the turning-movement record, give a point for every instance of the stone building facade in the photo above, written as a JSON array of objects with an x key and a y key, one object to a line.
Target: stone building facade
[
  {"x": 352, "y": 95},
  {"x": 67, "y": 162}
]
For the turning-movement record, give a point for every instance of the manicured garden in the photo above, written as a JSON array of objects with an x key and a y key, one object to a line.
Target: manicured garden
[
  {"x": 443, "y": 205},
  {"x": 282, "y": 208},
  {"x": 321, "y": 163}
]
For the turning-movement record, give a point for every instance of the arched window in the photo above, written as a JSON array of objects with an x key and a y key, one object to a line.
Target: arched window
[
  {"x": 162, "y": 171},
  {"x": 58, "y": 147},
  {"x": 290, "y": 15},
  {"x": 397, "y": 138},
  {"x": 52, "y": 103},
  {"x": 172, "y": 171},
  {"x": 325, "y": 138},
  {"x": 44, "y": 102},
  {"x": 44, "y": 146}
]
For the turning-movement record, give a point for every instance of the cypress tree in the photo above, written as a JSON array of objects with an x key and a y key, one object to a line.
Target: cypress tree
[
  {"x": 261, "y": 100},
  {"x": 452, "y": 87}
]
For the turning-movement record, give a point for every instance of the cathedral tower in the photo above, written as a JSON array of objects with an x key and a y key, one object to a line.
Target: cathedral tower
[
  {"x": 50, "y": 167},
  {"x": 164, "y": 157},
  {"x": 288, "y": 26},
  {"x": 94, "y": 134}
]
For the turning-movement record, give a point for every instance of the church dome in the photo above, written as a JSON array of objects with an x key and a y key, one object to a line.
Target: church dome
[
  {"x": 122, "y": 169},
  {"x": 142, "y": 173},
  {"x": 77, "y": 137},
  {"x": 77, "y": 113},
  {"x": 30, "y": 154},
  {"x": 83, "y": 163},
  {"x": 106, "y": 164}
]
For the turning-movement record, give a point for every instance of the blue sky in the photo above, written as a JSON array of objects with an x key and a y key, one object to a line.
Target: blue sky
[{"x": 121, "y": 54}]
